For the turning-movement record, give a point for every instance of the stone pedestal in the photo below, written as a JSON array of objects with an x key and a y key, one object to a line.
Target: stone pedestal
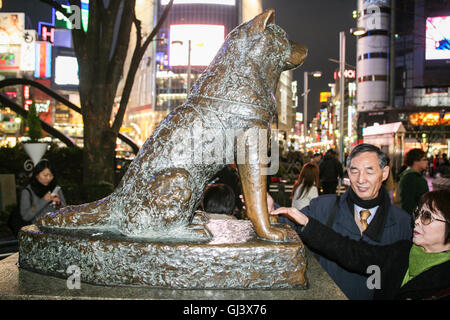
[
  {"x": 233, "y": 259},
  {"x": 19, "y": 284}
]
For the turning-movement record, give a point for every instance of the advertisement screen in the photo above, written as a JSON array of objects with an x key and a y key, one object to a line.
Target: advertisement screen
[
  {"x": 66, "y": 71},
  {"x": 11, "y": 28},
  {"x": 9, "y": 57},
  {"x": 223, "y": 2},
  {"x": 43, "y": 60},
  {"x": 437, "y": 43},
  {"x": 205, "y": 42}
]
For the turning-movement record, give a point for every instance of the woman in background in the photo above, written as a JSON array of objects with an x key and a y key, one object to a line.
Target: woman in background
[
  {"x": 306, "y": 186},
  {"x": 42, "y": 195}
]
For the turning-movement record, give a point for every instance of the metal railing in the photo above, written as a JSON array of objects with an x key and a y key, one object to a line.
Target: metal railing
[{"x": 45, "y": 126}]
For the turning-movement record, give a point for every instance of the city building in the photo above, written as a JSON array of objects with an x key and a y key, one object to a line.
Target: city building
[
  {"x": 350, "y": 108},
  {"x": 183, "y": 48},
  {"x": 410, "y": 59},
  {"x": 422, "y": 68},
  {"x": 37, "y": 45},
  {"x": 41, "y": 49}
]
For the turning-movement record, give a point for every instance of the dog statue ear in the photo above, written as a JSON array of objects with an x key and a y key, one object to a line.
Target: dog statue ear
[{"x": 260, "y": 22}]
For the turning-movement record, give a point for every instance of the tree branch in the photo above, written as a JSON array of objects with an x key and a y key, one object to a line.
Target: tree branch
[
  {"x": 57, "y": 6},
  {"x": 118, "y": 58},
  {"x": 137, "y": 56},
  {"x": 60, "y": 8}
]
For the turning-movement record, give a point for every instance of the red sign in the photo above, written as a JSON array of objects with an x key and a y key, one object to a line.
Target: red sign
[
  {"x": 48, "y": 33},
  {"x": 351, "y": 74},
  {"x": 26, "y": 92}
]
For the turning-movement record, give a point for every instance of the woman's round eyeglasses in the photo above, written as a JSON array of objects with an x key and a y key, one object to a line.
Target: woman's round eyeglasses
[{"x": 425, "y": 217}]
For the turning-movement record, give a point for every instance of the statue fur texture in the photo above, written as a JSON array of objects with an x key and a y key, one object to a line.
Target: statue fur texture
[{"x": 158, "y": 195}]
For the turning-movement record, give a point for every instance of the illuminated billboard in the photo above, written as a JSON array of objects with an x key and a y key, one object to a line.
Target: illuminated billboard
[
  {"x": 429, "y": 119},
  {"x": 11, "y": 28},
  {"x": 222, "y": 2},
  {"x": 9, "y": 57},
  {"x": 66, "y": 71},
  {"x": 43, "y": 60},
  {"x": 205, "y": 40},
  {"x": 28, "y": 54},
  {"x": 324, "y": 96},
  {"x": 437, "y": 38},
  {"x": 77, "y": 16}
]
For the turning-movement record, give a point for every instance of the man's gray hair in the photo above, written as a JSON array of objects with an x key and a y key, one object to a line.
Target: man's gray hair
[{"x": 383, "y": 159}]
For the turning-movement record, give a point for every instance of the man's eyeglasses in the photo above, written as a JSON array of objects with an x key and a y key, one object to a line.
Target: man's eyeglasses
[{"x": 425, "y": 217}]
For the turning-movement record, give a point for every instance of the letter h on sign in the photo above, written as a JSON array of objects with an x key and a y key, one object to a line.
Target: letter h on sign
[{"x": 48, "y": 34}]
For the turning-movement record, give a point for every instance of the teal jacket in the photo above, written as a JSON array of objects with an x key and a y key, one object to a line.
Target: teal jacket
[{"x": 411, "y": 187}]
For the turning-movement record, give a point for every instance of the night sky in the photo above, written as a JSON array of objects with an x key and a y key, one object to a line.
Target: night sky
[{"x": 316, "y": 24}]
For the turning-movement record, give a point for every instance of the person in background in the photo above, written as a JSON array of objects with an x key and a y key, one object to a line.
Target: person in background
[
  {"x": 330, "y": 170},
  {"x": 417, "y": 269},
  {"x": 317, "y": 157},
  {"x": 218, "y": 199},
  {"x": 306, "y": 186},
  {"x": 41, "y": 195},
  {"x": 389, "y": 184},
  {"x": 444, "y": 165},
  {"x": 364, "y": 212},
  {"x": 229, "y": 176},
  {"x": 435, "y": 165},
  {"x": 412, "y": 183}
]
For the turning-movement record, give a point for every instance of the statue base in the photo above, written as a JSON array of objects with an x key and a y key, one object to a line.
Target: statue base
[{"x": 233, "y": 259}]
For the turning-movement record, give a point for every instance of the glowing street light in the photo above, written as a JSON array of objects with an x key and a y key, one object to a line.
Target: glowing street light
[{"x": 358, "y": 31}]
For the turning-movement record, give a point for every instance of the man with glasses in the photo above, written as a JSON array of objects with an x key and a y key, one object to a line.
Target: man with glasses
[{"x": 412, "y": 183}]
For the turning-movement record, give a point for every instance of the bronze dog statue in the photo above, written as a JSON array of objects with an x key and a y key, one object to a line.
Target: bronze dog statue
[{"x": 163, "y": 186}]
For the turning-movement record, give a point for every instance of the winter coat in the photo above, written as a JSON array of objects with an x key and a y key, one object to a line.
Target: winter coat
[
  {"x": 330, "y": 169},
  {"x": 392, "y": 261},
  {"x": 411, "y": 187},
  {"x": 386, "y": 227},
  {"x": 305, "y": 199},
  {"x": 32, "y": 209}
]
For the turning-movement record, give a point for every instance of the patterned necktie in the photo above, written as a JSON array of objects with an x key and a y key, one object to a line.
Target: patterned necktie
[{"x": 364, "y": 214}]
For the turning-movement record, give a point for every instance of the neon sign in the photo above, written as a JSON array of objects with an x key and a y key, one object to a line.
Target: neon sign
[{"x": 351, "y": 74}]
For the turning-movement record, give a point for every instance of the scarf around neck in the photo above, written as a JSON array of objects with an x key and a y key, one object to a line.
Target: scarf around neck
[
  {"x": 367, "y": 204},
  {"x": 420, "y": 261},
  {"x": 39, "y": 189}
]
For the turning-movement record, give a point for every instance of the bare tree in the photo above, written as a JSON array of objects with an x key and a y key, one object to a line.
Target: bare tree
[{"x": 101, "y": 52}]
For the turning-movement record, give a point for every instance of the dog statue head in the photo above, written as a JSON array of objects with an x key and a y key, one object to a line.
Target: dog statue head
[{"x": 249, "y": 63}]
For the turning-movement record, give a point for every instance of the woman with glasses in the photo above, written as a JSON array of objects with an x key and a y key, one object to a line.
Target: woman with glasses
[
  {"x": 417, "y": 269},
  {"x": 412, "y": 184},
  {"x": 41, "y": 195}
]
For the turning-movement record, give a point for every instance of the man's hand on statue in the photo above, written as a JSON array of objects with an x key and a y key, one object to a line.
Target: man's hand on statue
[{"x": 293, "y": 214}]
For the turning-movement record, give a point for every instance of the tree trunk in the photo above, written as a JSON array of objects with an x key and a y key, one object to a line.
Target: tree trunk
[
  {"x": 101, "y": 54},
  {"x": 99, "y": 149}
]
